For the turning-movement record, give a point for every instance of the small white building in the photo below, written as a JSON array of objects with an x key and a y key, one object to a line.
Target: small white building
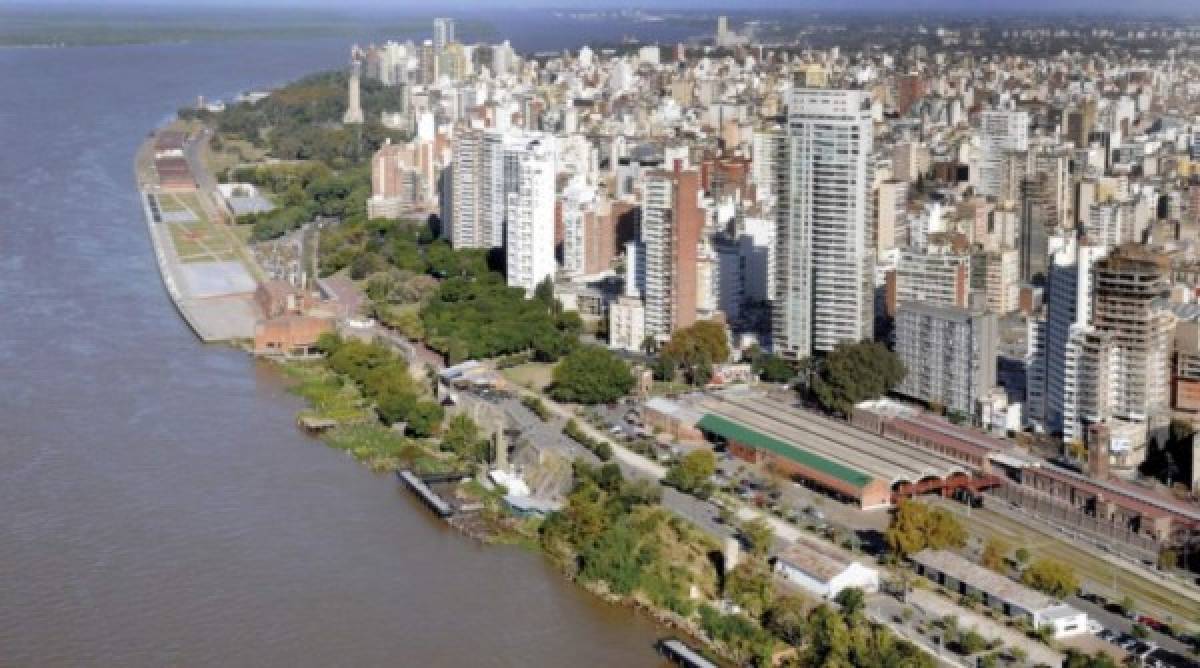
[
  {"x": 1065, "y": 620},
  {"x": 963, "y": 577},
  {"x": 824, "y": 570}
]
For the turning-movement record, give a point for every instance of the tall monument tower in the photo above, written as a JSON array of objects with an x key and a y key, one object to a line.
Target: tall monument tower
[{"x": 354, "y": 112}]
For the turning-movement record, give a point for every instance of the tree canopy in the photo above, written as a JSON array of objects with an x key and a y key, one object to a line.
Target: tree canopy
[
  {"x": 591, "y": 375},
  {"x": 384, "y": 377},
  {"x": 915, "y": 526},
  {"x": 691, "y": 472},
  {"x": 1051, "y": 577},
  {"x": 770, "y": 367},
  {"x": 855, "y": 372},
  {"x": 697, "y": 348}
]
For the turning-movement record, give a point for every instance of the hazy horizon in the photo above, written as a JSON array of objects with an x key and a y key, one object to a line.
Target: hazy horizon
[{"x": 974, "y": 8}]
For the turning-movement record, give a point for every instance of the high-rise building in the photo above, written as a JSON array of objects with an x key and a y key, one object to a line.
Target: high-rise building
[
  {"x": 949, "y": 354},
  {"x": 996, "y": 275},
  {"x": 354, "y": 113},
  {"x": 909, "y": 160},
  {"x": 1081, "y": 121},
  {"x": 891, "y": 201},
  {"x": 1129, "y": 290},
  {"x": 825, "y": 261},
  {"x": 1037, "y": 222},
  {"x": 427, "y": 63},
  {"x": 1068, "y": 314},
  {"x": 483, "y": 173},
  {"x": 671, "y": 225},
  {"x": 443, "y": 32},
  {"x": 402, "y": 179},
  {"x": 464, "y": 221},
  {"x": 1001, "y": 132},
  {"x": 589, "y": 230},
  {"x": 938, "y": 276},
  {"x": 529, "y": 219}
]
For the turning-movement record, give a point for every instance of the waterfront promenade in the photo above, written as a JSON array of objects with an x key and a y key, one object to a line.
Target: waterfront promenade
[{"x": 202, "y": 269}]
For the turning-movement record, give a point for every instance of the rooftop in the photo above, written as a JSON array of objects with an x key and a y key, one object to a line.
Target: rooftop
[
  {"x": 982, "y": 579},
  {"x": 870, "y": 456},
  {"x": 818, "y": 559},
  {"x": 736, "y": 432}
]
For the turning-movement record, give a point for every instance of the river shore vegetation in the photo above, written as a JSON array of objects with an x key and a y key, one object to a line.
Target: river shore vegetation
[{"x": 612, "y": 535}]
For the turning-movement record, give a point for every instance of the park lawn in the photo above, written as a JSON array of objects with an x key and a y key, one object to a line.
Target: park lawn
[
  {"x": 168, "y": 203},
  {"x": 233, "y": 153},
  {"x": 191, "y": 201},
  {"x": 532, "y": 375},
  {"x": 200, "y": 242}
]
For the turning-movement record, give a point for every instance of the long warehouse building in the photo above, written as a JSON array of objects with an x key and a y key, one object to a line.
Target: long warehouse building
[{"x": 851, "y": 463}]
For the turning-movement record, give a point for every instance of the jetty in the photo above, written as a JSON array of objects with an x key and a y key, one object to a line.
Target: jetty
[{"x": 420, "y": 485}]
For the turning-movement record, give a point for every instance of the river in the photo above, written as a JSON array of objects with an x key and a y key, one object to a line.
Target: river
[{"x": 157, "y": 504}]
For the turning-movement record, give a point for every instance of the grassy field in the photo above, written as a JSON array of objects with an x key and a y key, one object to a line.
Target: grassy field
[
  {"x": 200, "y": 242},
  {"x": 234, "y": 152},
  {"x": 1093, "y": 570},
  {"x": 533, "y": 375},
  {"x": 168, "y": 203}
]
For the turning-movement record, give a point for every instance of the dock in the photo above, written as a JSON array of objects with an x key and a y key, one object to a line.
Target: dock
[{"x": 431, "y": 498}]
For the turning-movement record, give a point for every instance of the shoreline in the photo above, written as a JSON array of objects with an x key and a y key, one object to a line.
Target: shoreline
[{"x": 217, "y": 316}]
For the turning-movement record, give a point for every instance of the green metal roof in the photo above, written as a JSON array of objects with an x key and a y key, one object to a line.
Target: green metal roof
[{"x": 733, "y": 431}]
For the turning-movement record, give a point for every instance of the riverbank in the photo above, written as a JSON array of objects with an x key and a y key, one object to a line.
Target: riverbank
[
  {"x": 613, "y": 536},
  {"x": 202, "y": 269}
]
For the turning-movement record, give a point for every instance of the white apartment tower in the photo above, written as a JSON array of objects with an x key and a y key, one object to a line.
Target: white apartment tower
[
  {"x": 482, "y": 175},
  {"x": 443, "y": 32},
  {"x": 462, "y": 207},
  {"x": 529, "y": 235},
  {"x": 825, "y": 247},
  {"x": 1001, "y": 133}
]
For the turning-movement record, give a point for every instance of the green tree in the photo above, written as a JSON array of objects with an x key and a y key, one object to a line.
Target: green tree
[
  {"x": 1051, "y": 577},
  {"x": 743, "y": 639},
  {"x": 462, "y": 437},
  {"x": 664, "y": 367},
  {"x": 425, "y": 418},
  {"x": 1127, "y": 605},
  {"x": 750, "y": 586},
  {"x": 770, "y": 367},
  {"x": 697, "y": 348},
  {"x": 785, "y": 617},
  {"x": 855, "y": 372},
  {"x": 759, "y": 535},
  {"x": 970, "y": 642},
  {"x": 1077, "y": 659},
  {"x": 853, "y": 602},
  {"x": 915, "y": 526},
  {"x": 591, "y": 375},
  {"x": 994, "y": 552},
  {"x": 1022, "y": 556},
  {"x": 691, "y": 472},
  {"x": 828, "y": 639}
]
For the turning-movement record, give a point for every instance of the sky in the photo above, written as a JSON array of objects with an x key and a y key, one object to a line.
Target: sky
[{"x": 1151, "y": 7}]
